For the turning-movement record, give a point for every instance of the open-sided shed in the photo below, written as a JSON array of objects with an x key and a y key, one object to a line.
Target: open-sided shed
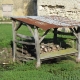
[{"x": 45, "y": 23}]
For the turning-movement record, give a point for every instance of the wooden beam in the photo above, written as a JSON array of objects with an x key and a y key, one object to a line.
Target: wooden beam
[
  {"x": 18, "y": 26},
  {"x": 27, "y": 43},
  {"x": 37, "y": 46},
  {"x": 43, "y": 36},
  {"x": 25, "y": 37},
  {"x": 14, "y": 38}
]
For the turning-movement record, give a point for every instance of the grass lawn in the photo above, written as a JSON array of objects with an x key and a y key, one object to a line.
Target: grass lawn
[
  {"x": 63, "y": 70},
  {"x": 6, "y": 34},
  {"x": 66, "y": 69}
]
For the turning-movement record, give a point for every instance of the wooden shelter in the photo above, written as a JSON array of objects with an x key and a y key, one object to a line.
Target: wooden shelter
[{"x": 45, "y": 23}]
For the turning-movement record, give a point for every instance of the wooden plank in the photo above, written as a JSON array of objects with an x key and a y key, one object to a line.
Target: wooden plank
[
  {"x": 25, "y": 37},
  {"x": 14, "y": 38},
  {"x": 27, "y": 43},
  {"x": 37, "y": 46},
  {"x": 57, "y": 53}
]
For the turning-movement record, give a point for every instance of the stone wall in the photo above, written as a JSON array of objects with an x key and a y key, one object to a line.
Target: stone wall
[
  {"x": 68, "y": 8},
  {"x": 20, "y": 7}
]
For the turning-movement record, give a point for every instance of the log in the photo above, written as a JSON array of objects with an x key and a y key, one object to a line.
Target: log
[
  {"x": 22, "y": 42},
  {"x": 25, "y": 37},
  {"x": 26, "y": 58},
  {"x": 49, "y": 47}
]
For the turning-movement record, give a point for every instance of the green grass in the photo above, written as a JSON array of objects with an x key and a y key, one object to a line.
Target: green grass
[
  {"x": 63, "y": 70},
  {"x": 6, "y": 34}
]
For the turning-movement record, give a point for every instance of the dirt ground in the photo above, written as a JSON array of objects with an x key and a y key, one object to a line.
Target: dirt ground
[{"x": 5, "y": 55}]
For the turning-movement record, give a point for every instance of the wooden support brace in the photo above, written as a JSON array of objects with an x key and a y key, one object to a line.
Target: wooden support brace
[
  {"x": 18, "y": 26},
  {"x": 27, "y": 43},
  {"x": 14, "y": 39},
  {"x": 74, "y": 33},
  {"x": 37, "y": 46},
  {"x": 75, "y": 29},
  {"x": 30, "y": 30},
  {"x": 43, "y": 36}
]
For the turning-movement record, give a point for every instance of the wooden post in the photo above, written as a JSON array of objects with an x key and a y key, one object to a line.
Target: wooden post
[
  {"x": 76, "y": 43},
  {"x": 78, "y": 58},
  {"x": 37, "y": 46},
  {"x": 55, "y": 36},
  {"x": 14, "y": 39}
]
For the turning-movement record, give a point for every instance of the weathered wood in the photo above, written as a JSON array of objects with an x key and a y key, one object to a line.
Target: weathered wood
[
  {"x": 26, "y": 58},
  {"x": 18, "y": 26},
  {"x": 43, "y": 36},
  {"x": 30, "y": 30},
  {"x": 55, "y": 54},
  {"x": 77, "y": 44},
  {"x": 25, "y": 37},
  {"x": 75, "y": 29},
  {"x": 14, "y": 39},
  {"x": 49, "y": 47},
  {"x": 27, "y": 43},
  {"x": 37, "y": 46},
  {"x": 55, "y": 36},
  {"x": 78, "y": 59},
  {"x": 74, "y": 33}
]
